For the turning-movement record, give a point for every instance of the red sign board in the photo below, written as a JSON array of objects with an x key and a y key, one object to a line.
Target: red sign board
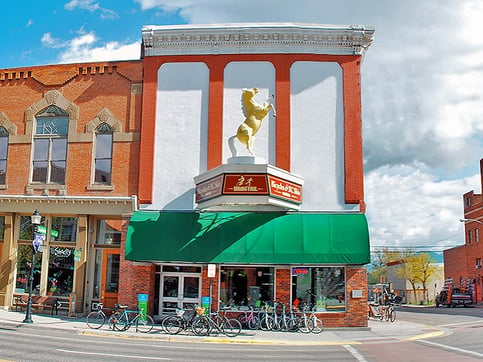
[
  {"x": 209, "y": 189},
  {"x": 284, "y": 189},
  {"x": 245, "y": 184}
]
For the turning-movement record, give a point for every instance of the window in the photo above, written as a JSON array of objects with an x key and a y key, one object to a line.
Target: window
[
  {"x": 24, "y": 260},
  {"x": 321, "y": 288},
  {"x": 50, "y": 146},
  {"x": 63, "y": 229},
  {"x": 3, "y": 154},
  {"x": 470, "y": 236},
  {"x": 468, "y": 201},
  {"x": 2, "y": 228},
  {"x": 109, "y": 232},
  {"x": 478, "y": 263},
  {"x": 61, "y": 271},
  {"x": 246, "y": 286},
  {"x": 477, "y": 236},
  {"x": 103, "y": 157}
]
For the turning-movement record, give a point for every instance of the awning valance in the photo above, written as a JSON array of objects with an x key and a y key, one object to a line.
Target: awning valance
[{"x": 248, "y": 238}]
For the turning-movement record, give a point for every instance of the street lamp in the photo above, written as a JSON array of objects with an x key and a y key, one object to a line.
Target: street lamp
[
  {"x": 35, "y": 219},
  {"x": 473, "y": 220}
]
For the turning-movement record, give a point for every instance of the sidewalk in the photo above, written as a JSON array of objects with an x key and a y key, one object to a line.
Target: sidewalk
[{"x": 376, "y": 332}]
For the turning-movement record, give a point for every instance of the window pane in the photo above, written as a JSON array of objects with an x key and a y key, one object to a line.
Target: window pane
[
  {"x": 57, "y": 172},
  {"x": 2, "y": 228},
  {"x": 59, "y": 149},
  {"x": 41, "y": 149},
  {"x": 65, "y": 228},
  {"x": 24, "y": 260},
  {"x": 112, "y": 278},
  {"x": 40, "y": 172},
  {"x": 109, "y": 232},
  {"x": 103, "y": 145},
  {"x": 26, "y": 229},
  {"x": 3, "y": 169},
  {"x": 52, "y": 126},
  {"x": 103, "y": 171},
  {"x": 61, "y": 271},
  {"x": 246, "y": 286}
]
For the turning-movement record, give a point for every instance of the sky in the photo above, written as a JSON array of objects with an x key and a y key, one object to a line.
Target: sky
[{"x": 422, "y": 88}]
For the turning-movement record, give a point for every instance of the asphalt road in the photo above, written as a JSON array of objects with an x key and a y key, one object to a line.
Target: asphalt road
[{"x": 462, "y": 342}]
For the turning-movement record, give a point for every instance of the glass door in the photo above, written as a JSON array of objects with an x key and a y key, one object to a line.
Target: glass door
[
  {"x": 110, "y": 277},
  {"x": 179, "y": 290}
]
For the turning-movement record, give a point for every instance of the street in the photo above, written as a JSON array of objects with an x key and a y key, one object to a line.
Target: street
[{"x": 462, "y": 342}]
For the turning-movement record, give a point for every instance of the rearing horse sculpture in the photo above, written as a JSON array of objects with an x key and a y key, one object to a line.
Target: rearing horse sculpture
[{"x": 254, "y": 113}]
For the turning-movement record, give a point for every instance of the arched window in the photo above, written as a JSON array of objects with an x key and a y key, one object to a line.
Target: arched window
[
  {"x": 50, "y": 146},
  {"x": 3, "y": 154},
  {"x": 103, "y": 156}
]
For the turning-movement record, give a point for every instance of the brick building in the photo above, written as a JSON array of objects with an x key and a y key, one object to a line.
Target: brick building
[
  {"x": 239, "y": 229},
  {"x": 463, "y": 264},
  {"x": 69, "y": 148},
  {"x": 141, "y": 193}
]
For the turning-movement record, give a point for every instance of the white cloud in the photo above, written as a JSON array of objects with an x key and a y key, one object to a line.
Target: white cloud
[{"x": 91, "y": 6}]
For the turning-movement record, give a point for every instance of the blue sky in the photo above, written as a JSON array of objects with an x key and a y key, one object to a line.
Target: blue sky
[{"x": 422, "y": 82}]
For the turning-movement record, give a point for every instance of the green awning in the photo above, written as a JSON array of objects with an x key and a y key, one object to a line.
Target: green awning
[{"x": 248, "y": 238}]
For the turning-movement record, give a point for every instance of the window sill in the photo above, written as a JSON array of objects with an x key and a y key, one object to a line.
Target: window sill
[
  {"x": 99, "y": 187},
  {"x": 46, "y": 188}
]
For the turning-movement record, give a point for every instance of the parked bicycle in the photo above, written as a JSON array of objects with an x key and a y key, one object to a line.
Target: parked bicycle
[
  {"x": 389, "y": 313},
  {"x": 181, "y": 321},
  {"x": 143, "y": 322},
  {"x": 309, "y": 322},
  {"x": 249, "y": 319},
  {"x": 214, "y": 323},
  {"x": 96, "y": 319}
]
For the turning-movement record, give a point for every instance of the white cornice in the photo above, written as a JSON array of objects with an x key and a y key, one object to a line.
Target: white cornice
[{"x": 257, "y": 38}]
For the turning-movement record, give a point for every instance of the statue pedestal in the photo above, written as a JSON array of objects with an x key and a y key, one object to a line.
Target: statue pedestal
[{"x": 246, "y": 160}]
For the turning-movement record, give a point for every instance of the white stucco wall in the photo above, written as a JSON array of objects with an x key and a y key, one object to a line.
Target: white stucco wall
[
  {"x": 180, "y": 150},
  {"x": 317, "y": 131}
]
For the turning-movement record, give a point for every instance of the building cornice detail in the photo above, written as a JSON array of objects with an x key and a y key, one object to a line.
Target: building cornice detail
[{"x": 258, "y": 38}]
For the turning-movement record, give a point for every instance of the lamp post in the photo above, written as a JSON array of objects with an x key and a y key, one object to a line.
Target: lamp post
[
  {"x": 35, "y": 219},
  {"x": 473, "y": 220}
]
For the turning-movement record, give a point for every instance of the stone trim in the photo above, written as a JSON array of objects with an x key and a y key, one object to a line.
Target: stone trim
[{"x": 257, "y": 38}]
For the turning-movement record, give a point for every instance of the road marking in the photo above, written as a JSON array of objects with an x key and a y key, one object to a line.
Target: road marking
[
  {"x": 113, "y": 355},
  {"x": 453, "y": 348},
  {"x": 354, "y": 352}
]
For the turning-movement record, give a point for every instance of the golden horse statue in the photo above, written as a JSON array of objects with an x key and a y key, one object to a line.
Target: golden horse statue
[{"x": 254, "y": 113}]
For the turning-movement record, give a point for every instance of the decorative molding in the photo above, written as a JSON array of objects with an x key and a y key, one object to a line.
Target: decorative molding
[
  {"x": 257, "y": 38},
  {"x": 104, "y": 116},
  {"x": 9, "y": 126}
]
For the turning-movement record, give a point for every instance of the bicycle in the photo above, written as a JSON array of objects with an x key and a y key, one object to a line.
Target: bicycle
[
  {"x": 266, "y": 321},
  {"x": 310, "y": 323},
  {"x": 176, "y": 323},
  {"x": 144, "y": 323},
  {"x": 388, "y": 313},
  {"x": 97, "y": 318},
  {"x": 214, "y": 323},
  {"x": 249, "y": 319}
]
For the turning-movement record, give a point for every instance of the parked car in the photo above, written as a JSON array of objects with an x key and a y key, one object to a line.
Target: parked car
[{"x": 453, "y": 297}]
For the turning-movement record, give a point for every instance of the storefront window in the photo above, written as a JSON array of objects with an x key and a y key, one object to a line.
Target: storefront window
[
  {"x": 241, "y": 287},
  {"x": 109, "y": 232},
  {"x": 26, "y": 228},
  {"x": 61, "y": 271},
  {"x": 322, "y": 288},
  {"x": 24, "y": 260},
  {"x": 64, "y": 229}
]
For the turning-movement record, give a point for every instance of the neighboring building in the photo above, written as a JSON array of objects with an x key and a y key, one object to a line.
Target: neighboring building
[
  {"x": 463, "y": 264},
  {"x": 69, "y": 147},
  {"x": 403, "y": 288},
  {"x": 204, "y": 230}
]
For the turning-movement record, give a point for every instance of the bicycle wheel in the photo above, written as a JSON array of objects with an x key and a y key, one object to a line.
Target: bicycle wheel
[
  {"x": 120, "y": 323},
  {"x": 172, "y": 325},
  {"x": 144, "y": 323},
  {"x": 201, "y": 326},
  {"x": 267, "y": 323},
  {"x": 243, "y": 319},
  {"x": 95, "y": 320},
  {"x": 306, "y": 325},
  {"x": 292, "y": 324},
  {"x": 254, "y": 322},
  {"x": 112, "y": 318},
  {"x": 318, "y": 325},
  {"x": 231, "y": 327},
  {"x": 392, "y": 315}
]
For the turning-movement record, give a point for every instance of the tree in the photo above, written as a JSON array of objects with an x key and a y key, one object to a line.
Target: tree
[
  {"x": 417, "y": 268},
  {"x": 382, "y": 257}
]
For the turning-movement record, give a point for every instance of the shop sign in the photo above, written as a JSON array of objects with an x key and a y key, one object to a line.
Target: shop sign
[
  {"x": 209, "y": 189},
  {"x": 61, "y": 252},
  {"x": 299, "y": 271},
  {"x": 245, "y": 184},
  {"x": 43, "y": 230},
  {"x": 285, "y": 189}
]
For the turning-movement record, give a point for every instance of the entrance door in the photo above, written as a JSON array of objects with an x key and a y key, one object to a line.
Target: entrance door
[
  {"x": 179, "y": 290},
  {"x": 110, "y": 277}
]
